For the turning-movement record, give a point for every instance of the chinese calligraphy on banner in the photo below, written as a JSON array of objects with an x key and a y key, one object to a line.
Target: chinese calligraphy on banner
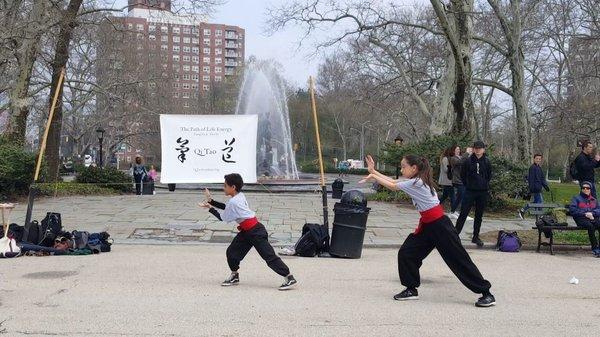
[{"x": 204, "y": 148}]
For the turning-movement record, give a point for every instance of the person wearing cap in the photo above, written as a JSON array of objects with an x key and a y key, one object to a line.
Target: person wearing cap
[
  {"x": 536, "y": 181},
  {"x": 585, "y": 163},
  {"x": 476, "y": 173},
  {"x": 585, "y": 211}
]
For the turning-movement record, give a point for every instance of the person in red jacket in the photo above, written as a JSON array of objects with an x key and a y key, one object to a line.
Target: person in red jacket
[{"x": 585, "y": 211}]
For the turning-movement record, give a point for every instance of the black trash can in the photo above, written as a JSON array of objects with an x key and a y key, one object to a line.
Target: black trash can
[
  {"x": 148, "y": 188},
  {"x": 337, "y": 188},
  {"x": 349, "y": 225},
  {"x": 171, "y": 187}
]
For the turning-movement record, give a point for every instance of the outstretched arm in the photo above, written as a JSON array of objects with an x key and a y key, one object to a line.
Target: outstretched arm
[
  {"x": 381, "y": 180},
  {"x": 372, "y": 170}
]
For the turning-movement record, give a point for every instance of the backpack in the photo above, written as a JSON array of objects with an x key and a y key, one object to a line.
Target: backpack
[
  {"x": 508, "y": 242},
  {"x": 81, "y": 239},
  {"x": 33, "y": 234},
  {"x": 573, "y": 170},
  {"x": 314, "y": 240},
  {"x": 51, "y": 226}
]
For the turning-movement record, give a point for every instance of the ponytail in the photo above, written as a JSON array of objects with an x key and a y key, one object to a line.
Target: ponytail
[{"x": 424, "y": 171}]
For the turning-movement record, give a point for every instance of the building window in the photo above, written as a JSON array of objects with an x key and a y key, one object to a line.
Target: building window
[
  {"x": 186, "y": 30},
  {"x": 206, "y": 69},
  {"x": 218, "y": 42},
  {"x": 164, "y": 29},
  {"x": 186, "y": 49},
  {"x": 164, "y": 47},
  {"x": 175, "y": 85},
  {"x": 176, "y": 39},
  {"x": 195, "y": 77},
  {"x": 218, "y": 32},
  {"x": 207, "y": 42},
  {"x": 194, "y": 30},
  {"x": 176, "y": 94},
  {"x": 140, "y": 27},
  {"x": 185, "y": 95},
  {"x": 206, "y": 60},
  {"x": 186, "y": 68},
  {"x": 186, "y": 76},
  {"x": 196, "y": 59},
  {"x": 195, "y": 69},
  {"x": 151, "y": 28},
  {"x": 185, "y": 85},
  {"x": 207, "y": 32},
  {"x": 218, "y": 60},
  {"x": 206, "y": 51},
  {"x": 176, "y": 76},
  {"x": 186, "y": 40},
  {"x": 176, "y": 48},
  {"x": 218, "y": 51},
  {"x": 218, "y": 78},
  {"x": 175, "y": 58},
  {"x": 195, "y": 50},
  {"x": 186, "y": 58},
  {"x": 164, "y": 38},
  {"x": 176, "y": 67},
  {"x": 205, "y": 87},
  {"x": 186, "y": 104},
  {"x": 130, "y": 26},
  {"x": 206, "y": 78},
  {"x": 195, "y": 40},
  {"x": 151, "y": 37},
  {"x": 175, "y": 30},
  {"x": 194, "y": 86},
  {"x": 140, "y": 36},
  {"x": 218, "y": 69}
]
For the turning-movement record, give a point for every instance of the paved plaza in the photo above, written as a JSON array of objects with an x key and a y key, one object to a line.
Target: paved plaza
[
  {"x": 175, "y": 217},
  {"x": 174, "y": 290}
]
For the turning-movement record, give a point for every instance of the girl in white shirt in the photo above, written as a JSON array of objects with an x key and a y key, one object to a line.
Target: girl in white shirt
[{"x": 435, "y": 230}]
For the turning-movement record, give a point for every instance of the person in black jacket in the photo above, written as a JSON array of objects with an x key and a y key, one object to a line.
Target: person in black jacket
[
  {"x": 536, "y": 181},
  {"x": 476, "y": 174},
  {"x": 585, "y": 164}
]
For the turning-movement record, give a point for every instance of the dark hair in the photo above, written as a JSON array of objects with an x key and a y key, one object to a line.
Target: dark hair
[
  {"x": 234, "y": 179},
  {"x": 138, "y": 160},
  {"x": 537, "y": 155},
  {"x": 423, "y": 170},
  {"x": 585, "y": 143}
]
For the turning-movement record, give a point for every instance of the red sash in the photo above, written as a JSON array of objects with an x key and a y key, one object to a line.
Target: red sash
[
  {"x": 247, "y": 224},
  {"x": 429, "y": 216}
]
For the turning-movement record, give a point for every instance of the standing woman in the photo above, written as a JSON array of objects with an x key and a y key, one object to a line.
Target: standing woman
[
  {"x": 459, "y": 188},
  {"x": 445, "y": 179},
  {"x": 435, "y": 230},
  {"x": 139, "y": 174}
]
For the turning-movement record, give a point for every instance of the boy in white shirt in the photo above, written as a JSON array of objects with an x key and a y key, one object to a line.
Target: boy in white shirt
[{"x": 252, "y": 233}]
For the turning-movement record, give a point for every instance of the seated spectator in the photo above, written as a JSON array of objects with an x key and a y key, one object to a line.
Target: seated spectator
[{"x": 586, "y": 212}]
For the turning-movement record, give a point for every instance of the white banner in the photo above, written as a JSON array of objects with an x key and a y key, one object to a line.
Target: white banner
[{"x": 204, "y": 148}]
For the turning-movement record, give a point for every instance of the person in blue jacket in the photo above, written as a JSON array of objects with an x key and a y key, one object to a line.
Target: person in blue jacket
[
  {"x": 536, "y": 181},
  {"x": 585, "y": 211}
]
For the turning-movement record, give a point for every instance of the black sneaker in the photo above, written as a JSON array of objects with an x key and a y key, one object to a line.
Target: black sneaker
[
  {"x": 232, "y": 280},
  {"x": 486, "y": 301},
  {"x": 289, "y": 283},
  {"x": 476, "y": 240},
  {"x": 407, "y": 294}
]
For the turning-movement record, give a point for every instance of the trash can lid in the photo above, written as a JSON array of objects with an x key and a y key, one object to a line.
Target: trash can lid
[{"x": 354, "y": 198}]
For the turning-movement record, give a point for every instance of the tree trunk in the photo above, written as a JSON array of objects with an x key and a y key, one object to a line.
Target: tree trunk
[
  {"x": 61, "y": 56},
  {"x": 443, "y": 117},
  {"x": 26, "y": 57}
]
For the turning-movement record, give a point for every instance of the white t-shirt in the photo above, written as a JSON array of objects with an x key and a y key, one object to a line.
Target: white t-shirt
[
  {"x": 420, "y": 194},
  {"x": 237, "y": 209}
]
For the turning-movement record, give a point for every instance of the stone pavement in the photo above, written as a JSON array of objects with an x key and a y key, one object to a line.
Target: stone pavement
[{"x": 175, "y": 217}]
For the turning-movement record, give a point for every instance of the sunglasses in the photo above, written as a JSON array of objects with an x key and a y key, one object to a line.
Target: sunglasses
[
  {"x": 586, "y": 188},
  {"x": 61, "y": 239}
]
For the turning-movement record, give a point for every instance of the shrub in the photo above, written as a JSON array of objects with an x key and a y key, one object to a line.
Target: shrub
[
  {"x": 16, "y": 169},
  {"x": 107, "y": 177},
  {"x": 67, "y": 188}
]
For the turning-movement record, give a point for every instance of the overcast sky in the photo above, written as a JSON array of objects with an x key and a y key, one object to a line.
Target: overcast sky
[{"x": 298, "y": 62}]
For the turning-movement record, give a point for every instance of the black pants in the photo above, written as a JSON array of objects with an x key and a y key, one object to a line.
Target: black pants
[
  {"x": 258, "y": 238},
  {"x": 138, "y": 184},
  {"x": 592, "y": 226},
  {"x": 477, "y": 198},
  {"x": 447, "y": 192},
  {"x": 442, "y": 236}
]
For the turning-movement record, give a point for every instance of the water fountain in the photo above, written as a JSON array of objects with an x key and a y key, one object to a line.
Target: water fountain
[{"x": 262, "y": 93}]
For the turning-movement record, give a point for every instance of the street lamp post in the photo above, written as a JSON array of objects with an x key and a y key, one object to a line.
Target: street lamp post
[{"x": 100, "y": 132}]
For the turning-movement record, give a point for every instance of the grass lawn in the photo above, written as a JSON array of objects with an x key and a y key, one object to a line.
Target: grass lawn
[
  {"x": 529, "y": 237},
  {"x": 561, "y": 193}
]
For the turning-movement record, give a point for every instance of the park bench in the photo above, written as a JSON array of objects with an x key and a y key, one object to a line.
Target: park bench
[{"x": 542, "y": 209}]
